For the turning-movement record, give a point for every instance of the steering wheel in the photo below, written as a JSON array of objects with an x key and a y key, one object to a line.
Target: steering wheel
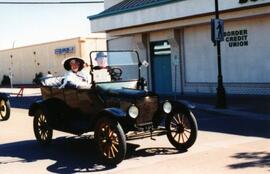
[{"x": 115, "y": 73}]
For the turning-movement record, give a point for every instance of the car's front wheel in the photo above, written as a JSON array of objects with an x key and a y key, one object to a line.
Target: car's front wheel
[
  {"x": 110, "y": 140},
  {"x": 43, "y": 132},
  {"x": 4, "y": 109},
  {"x": 181, "y": 129}
]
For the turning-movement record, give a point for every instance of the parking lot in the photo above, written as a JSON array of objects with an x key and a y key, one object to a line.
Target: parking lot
[{"x": 225, "y": 144}]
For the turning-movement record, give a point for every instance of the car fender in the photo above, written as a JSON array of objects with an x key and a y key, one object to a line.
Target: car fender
[
  {"x": 188, "y": 104},
  {"x": 34, "y": 107},
  {"x": 176, "y": 106},
  {"x": 113, "y": 112},
  {"x": 46, "y": 105},
  {"x": 116, "y": 114},
  {"x": 180, "y": 105},
  {"x": 4, "y": 96}
]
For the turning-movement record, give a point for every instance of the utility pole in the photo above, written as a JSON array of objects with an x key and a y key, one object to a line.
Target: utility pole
[
  {"x": 11, "y": 71},
  {"x": 221, "y": 94}
]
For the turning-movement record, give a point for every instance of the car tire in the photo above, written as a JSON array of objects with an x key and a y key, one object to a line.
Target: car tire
[
  {"x": 4, "y": 109},
  {"x": 110, "y": 140},
  {"x": 181, "y": 129},
  {"x": 42, "y": 131}
]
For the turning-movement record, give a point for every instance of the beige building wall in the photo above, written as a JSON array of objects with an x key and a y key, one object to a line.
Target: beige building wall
[{"x": 24, "y": 62}]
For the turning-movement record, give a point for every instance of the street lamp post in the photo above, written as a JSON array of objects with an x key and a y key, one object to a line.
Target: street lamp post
[{"x": 221, "y": 94}]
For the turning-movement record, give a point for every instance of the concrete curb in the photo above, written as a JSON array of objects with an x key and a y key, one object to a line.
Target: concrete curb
[{"x": 233, "y": 112}]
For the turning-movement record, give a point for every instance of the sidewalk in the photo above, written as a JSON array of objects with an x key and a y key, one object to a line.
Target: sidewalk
[{"x": 249, "y": 106}]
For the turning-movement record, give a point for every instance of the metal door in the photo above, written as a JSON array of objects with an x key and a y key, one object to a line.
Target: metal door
[{"x": 161, "y": 67}]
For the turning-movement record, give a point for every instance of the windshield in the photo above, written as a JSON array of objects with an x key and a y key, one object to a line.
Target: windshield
[{"x": 114, "y": 65}]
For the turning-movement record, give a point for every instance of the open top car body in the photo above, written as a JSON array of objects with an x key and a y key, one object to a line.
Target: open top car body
[{"x": 117, "y": 102}]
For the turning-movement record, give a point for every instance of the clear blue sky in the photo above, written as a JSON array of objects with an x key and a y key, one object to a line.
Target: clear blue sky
[{"x": 31, "y": 24}]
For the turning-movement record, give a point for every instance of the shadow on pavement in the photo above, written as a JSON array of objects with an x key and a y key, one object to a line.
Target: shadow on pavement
[
  {"x": 71, "y": 155},
  {"x": 252, "y": 159},
  {"x": 259, "y": 104},
  {"x": 232, "y": 125}
]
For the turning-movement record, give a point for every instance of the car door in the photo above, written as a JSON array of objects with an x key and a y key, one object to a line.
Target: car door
[{"x": 89, "y": 101}]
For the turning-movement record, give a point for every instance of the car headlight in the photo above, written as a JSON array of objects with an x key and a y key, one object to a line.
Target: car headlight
[
  {"x": 167, "y": 107},
  {"x": 133, "y": 111}
]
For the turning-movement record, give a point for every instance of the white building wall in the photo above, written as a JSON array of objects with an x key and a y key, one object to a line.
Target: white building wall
[
  {"x": 136, "y": 42},
  {"x": 199, "y": 55},
  {"x": 245, "y": 68},
  {"x": 121, "y": 43},
  {"x": 251, "y": 63},
  {"x": 247, "y": 65}
]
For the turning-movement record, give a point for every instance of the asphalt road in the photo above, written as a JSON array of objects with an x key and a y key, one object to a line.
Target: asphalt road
[{"x": 225, "y": 144}]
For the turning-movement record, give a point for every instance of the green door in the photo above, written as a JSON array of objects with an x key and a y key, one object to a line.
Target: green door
[{"x": 161, "y": 67}]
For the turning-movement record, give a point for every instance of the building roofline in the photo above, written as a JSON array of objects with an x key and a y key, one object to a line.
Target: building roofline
[
  {"x": 38, "y": 44},
  {"x": 193, "y": 16},
  {"x": 55, "y": 41},
  {"x": 105, "y": 13}
]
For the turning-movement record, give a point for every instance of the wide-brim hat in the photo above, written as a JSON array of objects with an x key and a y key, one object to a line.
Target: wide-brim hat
[
  {"x": 66, "y": 63},
  {"x": 100, "y": 54}
]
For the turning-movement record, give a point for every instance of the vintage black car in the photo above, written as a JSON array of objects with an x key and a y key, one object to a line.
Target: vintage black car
[
  {"x": 116, "y": 103},
  {"x": 4, "y": 107}
]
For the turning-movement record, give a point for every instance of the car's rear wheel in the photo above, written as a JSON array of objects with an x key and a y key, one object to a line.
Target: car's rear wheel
[
  {"x": 43, "y": 132},
  {"x": 110, "y": 140},
  {"x": 181, "y": 129},
  {"x": 4, "y": 109}
]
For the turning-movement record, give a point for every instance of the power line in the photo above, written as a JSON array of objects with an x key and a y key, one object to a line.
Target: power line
[{"x": 51, "y": 2}]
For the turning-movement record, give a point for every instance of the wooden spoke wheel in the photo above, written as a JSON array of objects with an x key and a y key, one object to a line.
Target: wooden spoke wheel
[
  {"x": 4, "y": 109},
  {"x": 43, "y": 132},
  {"x": 181, "y": 129},
  {"x": 110, "y": 140}
]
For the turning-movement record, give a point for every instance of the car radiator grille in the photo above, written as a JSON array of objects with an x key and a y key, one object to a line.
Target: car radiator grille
[{"x": 147, "y": 108}]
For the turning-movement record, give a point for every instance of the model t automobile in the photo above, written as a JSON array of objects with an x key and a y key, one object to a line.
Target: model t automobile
[{"x": 117, "y": 102}]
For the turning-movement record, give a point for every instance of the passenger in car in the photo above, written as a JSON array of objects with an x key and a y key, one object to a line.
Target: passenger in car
[{"x": 75, "y": 77}]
